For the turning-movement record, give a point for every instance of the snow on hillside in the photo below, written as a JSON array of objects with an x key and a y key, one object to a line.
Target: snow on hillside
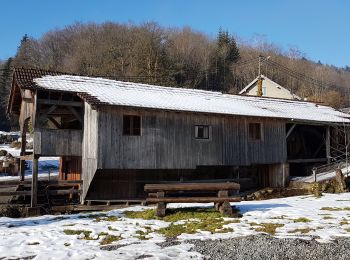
[{"x": 47, "y": 237}]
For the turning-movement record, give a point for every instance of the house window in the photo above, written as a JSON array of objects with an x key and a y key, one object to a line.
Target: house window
[
  {"x": 264, "y": 91},
  {"x": 131, "y": 125},
  {"x": 202, "y": 132},
  {"x": 255, "y": 131}
]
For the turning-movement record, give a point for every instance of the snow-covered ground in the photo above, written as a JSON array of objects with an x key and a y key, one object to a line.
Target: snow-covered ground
[
  {"x": 46, "y": 164},
  {"x": 44, "y": 236},
  {"x": 322, "y": 176}
]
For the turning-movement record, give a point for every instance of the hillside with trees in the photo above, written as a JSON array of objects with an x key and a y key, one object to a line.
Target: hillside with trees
[{"x": 180, "y": 57}]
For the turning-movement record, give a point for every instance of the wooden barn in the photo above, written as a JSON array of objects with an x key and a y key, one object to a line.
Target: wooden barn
[{"x": 118, "y": 136}]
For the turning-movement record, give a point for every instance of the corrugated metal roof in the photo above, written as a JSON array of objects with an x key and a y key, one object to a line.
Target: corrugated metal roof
[{"x": 112, "y": 92}]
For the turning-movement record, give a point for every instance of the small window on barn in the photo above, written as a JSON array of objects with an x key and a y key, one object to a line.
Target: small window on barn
[
  {"x": 131, "y": 125},
  {"x": 202, "y": 131},
  {"x": 255, "y": 131}
]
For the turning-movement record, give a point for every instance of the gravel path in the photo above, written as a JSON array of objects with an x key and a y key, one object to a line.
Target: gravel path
[{"x": 267, "y": 247}]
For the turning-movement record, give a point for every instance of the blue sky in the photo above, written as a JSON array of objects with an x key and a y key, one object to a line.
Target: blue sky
[{"x": 319, "y": 28}]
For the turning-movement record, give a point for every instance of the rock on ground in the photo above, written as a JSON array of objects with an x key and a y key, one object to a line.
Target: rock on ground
[{"x": 267, "y": 247}]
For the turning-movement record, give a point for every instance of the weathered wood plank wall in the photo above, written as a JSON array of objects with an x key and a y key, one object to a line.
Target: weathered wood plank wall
[
  {"x": 57, "y": 142},
  {"x": 168, "y": 141},
  {"x": 89, "y": 146}
]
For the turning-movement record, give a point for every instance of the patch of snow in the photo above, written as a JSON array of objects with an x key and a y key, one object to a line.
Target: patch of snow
[
  {"x": 46, "y": 164},
  {"x": 322, "y": 176},
  {"x": 44, "y": 236}
]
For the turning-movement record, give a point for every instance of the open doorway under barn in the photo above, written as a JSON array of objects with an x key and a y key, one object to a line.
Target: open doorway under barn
[{"x": 308, "y": 146}]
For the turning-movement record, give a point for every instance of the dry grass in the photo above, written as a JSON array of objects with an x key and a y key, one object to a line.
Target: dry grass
[
  {"x": 335, "y": 209},
  {"x": 109, "y": 239},
  {"x": 302, "y": 220},
  {"x": 269, "y": 228}
]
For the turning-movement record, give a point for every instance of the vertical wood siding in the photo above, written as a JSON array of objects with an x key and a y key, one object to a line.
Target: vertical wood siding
[
  {"x": 168, "y": 141},
  {"x": 90, "y": 146}
]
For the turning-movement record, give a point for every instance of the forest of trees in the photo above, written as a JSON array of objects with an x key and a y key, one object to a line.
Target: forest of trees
[{"x": 180, "y": 57}]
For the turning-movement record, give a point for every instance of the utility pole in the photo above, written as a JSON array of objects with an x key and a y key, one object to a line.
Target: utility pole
[
  {"x": 259, "y": 91},
  {"x": 259, "y": 73}
]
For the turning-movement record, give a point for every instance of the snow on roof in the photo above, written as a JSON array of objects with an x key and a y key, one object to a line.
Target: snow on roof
[{"x": 119, "y": 93}]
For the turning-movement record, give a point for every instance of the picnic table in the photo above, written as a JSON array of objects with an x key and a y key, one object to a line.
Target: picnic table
[{"x": 188, "y": 193}]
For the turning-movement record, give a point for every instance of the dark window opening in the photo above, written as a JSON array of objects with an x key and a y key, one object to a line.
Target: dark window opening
[
  {"x": 131, "y": 125},
  {"x": 254, "y": 130},
  {"x": 202, "y": 132}
]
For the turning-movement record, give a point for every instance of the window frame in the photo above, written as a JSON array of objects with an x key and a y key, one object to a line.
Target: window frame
[
  {"x": 196, "y": 127},
  {"x": 250, "y": 137},
  {"x": 131, "y": 125}
]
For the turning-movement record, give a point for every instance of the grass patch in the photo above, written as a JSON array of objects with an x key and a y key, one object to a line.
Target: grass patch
[
  {"x": 69, "y": 225},
  {"x": 173, "y": 215},
  {"x": 71, "y": 232},
  {"x": 301, "y": 230},
  {"x": 142, "y": 235},
  {"x": 347, "y": 229},
  {"x": 269, "y": 228},
  {"x": 214, "y": 225},
  {"x": 335, "y": 208},
  {"x": 198, "y": 219},
  {"x": 86, "y": 233},
  {"x": 66, "y": 244},
  {"x": 301, "y": 220},
  {"x": 328, "y": 217},
  {"x": 344, "y": 222},
  {"x": 145, "y": 214},
  {"x": 109, "y": 239}
]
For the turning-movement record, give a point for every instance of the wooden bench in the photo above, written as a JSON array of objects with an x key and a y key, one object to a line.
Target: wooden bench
[{"x": 186, "y": 193}]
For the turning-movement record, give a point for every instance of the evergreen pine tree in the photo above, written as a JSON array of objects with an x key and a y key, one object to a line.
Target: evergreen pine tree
[
  {"x": 5, "y": 80},
  {"x": 226, "y": 54}
]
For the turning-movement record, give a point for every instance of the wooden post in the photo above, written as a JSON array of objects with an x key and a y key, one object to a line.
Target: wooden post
[
  {"x": 314, "y": 174},
  {"x": 22, "y": 164},
  {"x": 34, "y": 194},
  {"x": 328, "y": 144},
  {"x": 161, "y": 206}
]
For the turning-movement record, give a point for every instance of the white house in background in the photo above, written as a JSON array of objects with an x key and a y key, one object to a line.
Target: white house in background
[{"x": 269, "y": 89}]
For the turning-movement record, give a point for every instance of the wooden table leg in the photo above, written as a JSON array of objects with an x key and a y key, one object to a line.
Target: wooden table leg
[
  {"x": 161, "y": 208},
  {"x": 226, "y": 209}
]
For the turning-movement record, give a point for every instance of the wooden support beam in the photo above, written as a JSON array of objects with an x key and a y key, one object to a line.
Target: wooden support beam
[
  {"x": 49, "y": 111},
  {"x": 60, "y": 102},
  {"x": 34, "y": 191},
  {"x": 76, "y": 114},
  {"x": 192, "y": 199},
  {"x": 192, "y": 187},
  {"x": 14, "y": 193},
  {"x": 312, "y": 160},
  {"x": 22, "y": 164},
  {"x": 57, "y": 125},
  {"x": 64, "y": 192},
  {"x": 290, "y": 130},
  {"x": 28, "y": 157},
  {"x": 328, "y": 144},
  {"x": 45, "y": 182}
]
